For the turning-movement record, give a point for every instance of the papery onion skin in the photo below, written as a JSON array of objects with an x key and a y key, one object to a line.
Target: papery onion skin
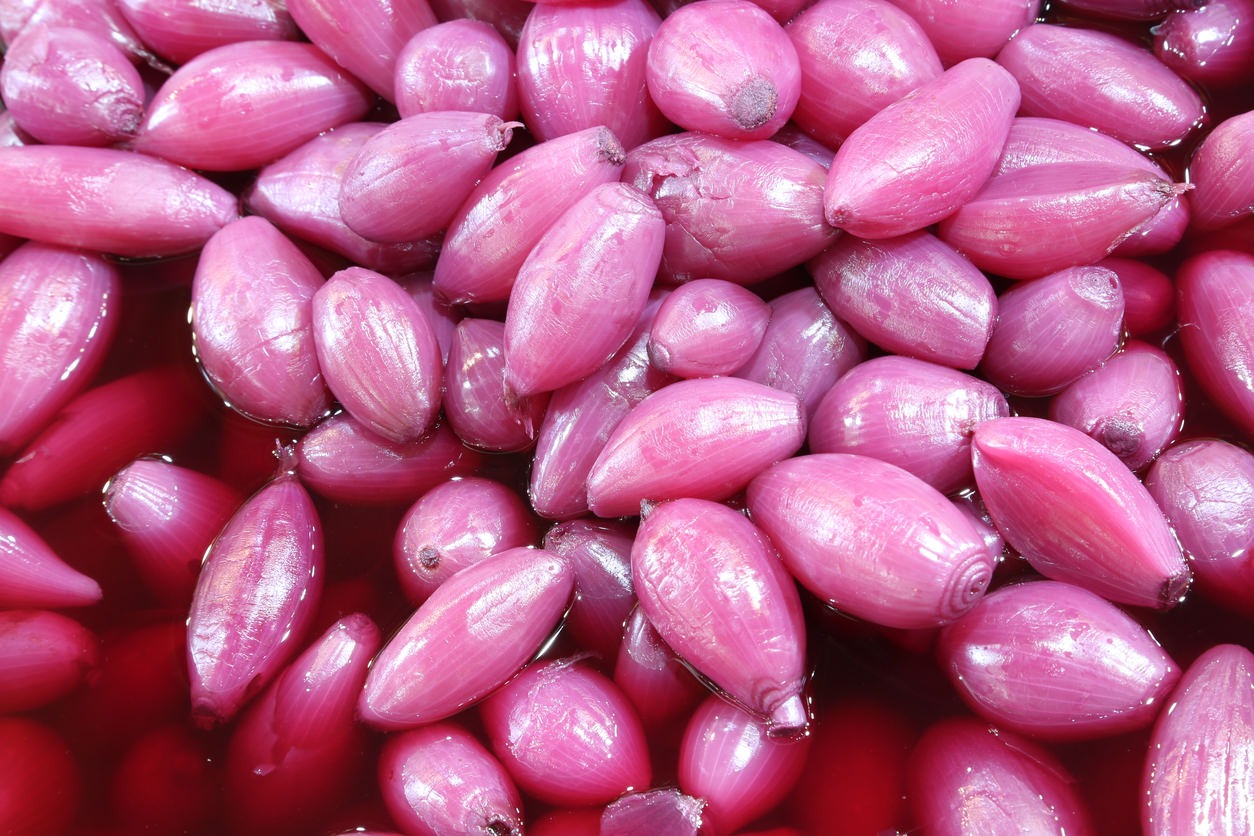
[{"x": 665, "y": 810}]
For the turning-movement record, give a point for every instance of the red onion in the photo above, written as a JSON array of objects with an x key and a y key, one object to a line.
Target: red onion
[
  {"x": 300, "y": 194},
  {"x": 378, "y": 352},
  {"x": 294, "y": 753},
  {"x": 454, "y": 525},
  {"x": 475, "y": 379},
  {"x": 657, "y": 682},
  {"x": 693, "y": 561},
  {"x": 522, "y": 304},
  {"x": 252, "y": 322},
  {"x": 458, "y": 65},
  {"x": 862, "y": 413},
  {"x": 1076, "y": 512},
  {"x": 199, "y": 114},
  {"x": 168, "y": 516},
  {"x": 707, "y": 327},
  {"x": 109, "y": 201},
  {"x": 912, "y": 295},
  {"x": 600, "y": 553},
  {"x": 923, "y": 156},
  {"x": 71, "y": 87},
  {"x": 43, "y": 657},
  {"x": 857, "y": 57},
  {"x": 407, "y": 181},
  {"x": 440, "y": 779},
  {"x": 179, "y": 30},
  {"x": 1198, "y": 774},
  {"x": 581, "y": 65},
  {"x": 579, "y": 292},
  {"x": 724, "y": 67},
  {"x": 1053, "y": 660},
  {"x": 444, "y": 658},
  {"x": 567, "y": 735},
  {"x": 841, "y": 525},
  {"x": 363, "y": 36},
  {"x": 1099, "y": 80},
  {"x": 255, "y": 598},
  {"x": 730, "y": 759},
  {"x": 78, "y": 294},
  {"x": 969, "y": 777},
  {"x": 703, "y": 438}
]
